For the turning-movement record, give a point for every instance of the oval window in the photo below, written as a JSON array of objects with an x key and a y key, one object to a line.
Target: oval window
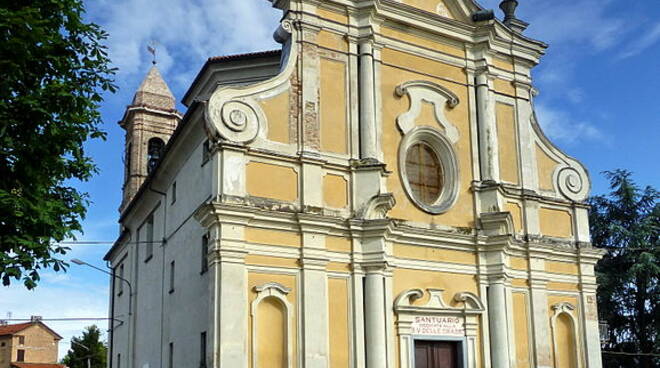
[
  {"x": 429, "y": 169},
  {"x": 425, "y": 174}
]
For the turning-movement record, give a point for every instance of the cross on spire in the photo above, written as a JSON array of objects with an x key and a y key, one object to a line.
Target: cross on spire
[{"x": 151, "y": 47}]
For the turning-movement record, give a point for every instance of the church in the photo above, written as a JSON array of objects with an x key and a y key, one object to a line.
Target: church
[{"x": 376, "y": 193}]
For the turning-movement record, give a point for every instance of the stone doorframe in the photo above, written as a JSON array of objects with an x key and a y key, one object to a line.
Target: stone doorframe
[{"x": 468, "y": 316}]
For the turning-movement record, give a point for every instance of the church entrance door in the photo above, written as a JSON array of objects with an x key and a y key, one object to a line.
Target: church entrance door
[{"x": 436, "y": 354}]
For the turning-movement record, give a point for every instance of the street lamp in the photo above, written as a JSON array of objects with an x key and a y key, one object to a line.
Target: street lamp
[
  {"x": 130, "y": 288},
  {"x": 89, "y": 357}
]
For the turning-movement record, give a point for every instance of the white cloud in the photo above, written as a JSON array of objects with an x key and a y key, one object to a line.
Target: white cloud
[
  {"x": 59, "y": 296},
  {"x": 559, "y": 125},
  {"x": 187, "y": 33},
  {"x": 575, "y": 95},
  {"x": 650, "y": 38},
  {"x": 560, "y": 22}
]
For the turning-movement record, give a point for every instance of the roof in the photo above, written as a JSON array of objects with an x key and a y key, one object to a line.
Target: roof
[
  {"x": 12, "y": 329},
  {"x": 248, "y": 55},
  {"x": 153, "y": 91},
  {"x": 229, "y": 58},
  {"x": 35, "y": 365},
  {"x": 18, "y": 327}
]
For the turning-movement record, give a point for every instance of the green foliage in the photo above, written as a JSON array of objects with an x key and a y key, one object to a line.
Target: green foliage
[
  {"x": 89, "y": 345},
  {"x": 627, "y": 222},
  {"x": 53, "y": 71}
]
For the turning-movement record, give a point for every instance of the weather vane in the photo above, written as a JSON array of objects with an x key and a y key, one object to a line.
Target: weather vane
[{"x": 151, "y": 47}]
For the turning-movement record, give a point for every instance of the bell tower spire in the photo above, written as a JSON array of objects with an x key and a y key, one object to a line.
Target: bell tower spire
[{"x": 149, "y": 122}]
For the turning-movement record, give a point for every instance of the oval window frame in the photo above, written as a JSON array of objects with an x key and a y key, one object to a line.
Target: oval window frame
[{"x": 446, "y": 155}]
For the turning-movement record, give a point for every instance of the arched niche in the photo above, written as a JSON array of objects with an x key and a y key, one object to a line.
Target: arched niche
[
  {"x": 565, "y": 336},
  {"x": 271, "y": 315}
]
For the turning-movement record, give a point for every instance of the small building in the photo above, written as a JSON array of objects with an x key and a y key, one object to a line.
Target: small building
[
  {"x": 28, "y": 345},
  {"x": 376, "y": 193}
]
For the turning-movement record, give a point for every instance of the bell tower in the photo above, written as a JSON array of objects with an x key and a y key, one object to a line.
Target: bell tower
[{"x": 149, "y": 122}]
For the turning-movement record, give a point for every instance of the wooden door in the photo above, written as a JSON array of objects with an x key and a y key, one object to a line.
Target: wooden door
[{"x": 436, "y": 354}]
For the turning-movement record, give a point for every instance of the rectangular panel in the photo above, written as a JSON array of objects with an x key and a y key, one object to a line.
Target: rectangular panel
[
  {"x": 272, "y": 181},
  {"x": 516, "y": 214},
  {"x": 546, "y": 166},
  {"x": 507, "y": 138},
  {"x": 520, "y": 322},
  {"x": 562, "y": 267},
  {"x": 333, "y": 106},
  {"x": 423, "y": 42},
  {"x": 332, "y": 41},
  {"x": 272, "y": 237},
  {"x": 423, "y": 65},
  {"x": 556, "y": 223},
  {"x": 338, "y": 244},
  {"x": 434, "y": 254},
  {"x": 335, "y": 191},
  {"x": 338, "y": 310},
  {"x": 277, "y": 115}
]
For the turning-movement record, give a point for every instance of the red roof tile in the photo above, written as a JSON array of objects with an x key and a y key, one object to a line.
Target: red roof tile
[
  {"x": 245, "y": 56},
  {"x": 18, "y": 327},
  {"x": 12, "y": 329},
  {"x": 35, "y": 365}
]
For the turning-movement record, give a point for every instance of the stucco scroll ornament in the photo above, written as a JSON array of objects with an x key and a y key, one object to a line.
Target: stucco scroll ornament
[
  {"x": 436, "y": 301},
  {"x": 424, "y": 91},
  {"x": 571, "y": 184},
  {"x": 377, "y": 207},
  {"x": 570, "y": 177},
  {"x": 233, "y": 113},
  {"x": 563, "y": 307}
]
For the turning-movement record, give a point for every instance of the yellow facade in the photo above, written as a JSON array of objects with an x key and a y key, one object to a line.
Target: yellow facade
[
  {"x": 285, "y": 188},
  {"x": 274, "y": 323},
  {"x": 521, "y": 326},
  {"x": 331, "y": 221},
  {"x": 508, "y": 141},
  {"x": 278, "y": 126},
  {"x": 333, "y": 107}
]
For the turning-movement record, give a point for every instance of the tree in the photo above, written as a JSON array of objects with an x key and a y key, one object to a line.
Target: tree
[
  {"x": 627, "y": 223},
  {"x": 87, "y": 347},
  {"x": 53, "y": 71}
]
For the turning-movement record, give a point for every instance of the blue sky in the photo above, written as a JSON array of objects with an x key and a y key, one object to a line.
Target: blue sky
[{"x": 598, "y": 102}]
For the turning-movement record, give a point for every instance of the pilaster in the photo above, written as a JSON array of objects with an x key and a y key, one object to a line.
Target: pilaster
[
  {"x": 589, "y": 307},
  {"x": 228, "y": 289},
  {"x": 315, "y": 332},
  {"x": 310, "y": 79},
  {"x": 542, "y": 336}
]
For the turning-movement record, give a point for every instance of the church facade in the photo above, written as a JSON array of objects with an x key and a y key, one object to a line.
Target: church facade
[{"x": 378, "y": 193}]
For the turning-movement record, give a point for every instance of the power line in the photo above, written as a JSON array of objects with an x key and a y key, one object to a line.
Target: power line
[
  {"x": 60, "y": 319},
  {"x": 630, "y": 354}
]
